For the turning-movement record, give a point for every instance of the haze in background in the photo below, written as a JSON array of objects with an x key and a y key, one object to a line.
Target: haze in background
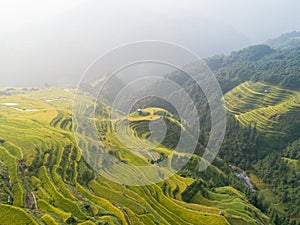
[{"x": 54, "y": 41}]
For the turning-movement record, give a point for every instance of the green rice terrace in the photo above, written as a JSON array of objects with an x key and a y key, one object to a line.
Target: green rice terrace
[
  {"x": 44, "y": 179},
  {"x": 265, "y": 106}
]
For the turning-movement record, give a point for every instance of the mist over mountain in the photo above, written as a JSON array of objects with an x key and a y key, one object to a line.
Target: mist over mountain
[
  {"x": 56, "y": 42},
  {"x": 285, "y": 41}
]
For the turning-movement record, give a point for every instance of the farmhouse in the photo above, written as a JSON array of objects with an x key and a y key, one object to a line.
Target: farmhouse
[{"x": 140, "y": 111}]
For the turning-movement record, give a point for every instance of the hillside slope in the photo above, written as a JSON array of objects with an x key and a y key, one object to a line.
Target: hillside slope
[
  {"x": 264, "y": 106},
  {"x": 285, "y": 41},
  {"x": 45, "y": 179}
]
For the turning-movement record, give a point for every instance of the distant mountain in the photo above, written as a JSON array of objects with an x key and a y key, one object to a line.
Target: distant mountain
[
  {"x": 257, "y": 63},
  {"x": 285, "y": 41}
]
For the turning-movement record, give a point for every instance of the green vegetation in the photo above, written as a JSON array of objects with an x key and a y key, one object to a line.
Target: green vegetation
[
  {"x": 287, "y": 187},
  {"x": 285, "y": 41},
  {"x": 45, "y": 177},
  {"x": 263, "y": 106},
  {"x": 14, "y": 215},
  {"x": 257, "y": 63},
  {"x": 49, "y": 220},
  {"x": 261, "y": 88},
  {"x": 40, "y": 155}
]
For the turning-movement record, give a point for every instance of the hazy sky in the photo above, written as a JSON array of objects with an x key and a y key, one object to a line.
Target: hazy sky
[{"x": 55, "y": 40}]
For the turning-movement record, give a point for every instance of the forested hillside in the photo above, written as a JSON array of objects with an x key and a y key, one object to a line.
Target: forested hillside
[
  {"x": 261, "y": 94},
  {"x": 285, "y": 41},
  {"x": 262, "y": 98}
]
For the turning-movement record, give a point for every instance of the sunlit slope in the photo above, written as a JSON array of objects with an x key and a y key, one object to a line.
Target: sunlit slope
[
  {"x": 181, "y": 191},
  {"x": 45, "y": 180},
  {"x": 40, "y": 156},
  {"x": 262, "y": 105}
]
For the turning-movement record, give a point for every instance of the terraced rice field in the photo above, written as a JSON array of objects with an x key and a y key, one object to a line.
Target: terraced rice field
[
  {"x": 262, "y": 105},
  {"x": 45, "y": 179}
]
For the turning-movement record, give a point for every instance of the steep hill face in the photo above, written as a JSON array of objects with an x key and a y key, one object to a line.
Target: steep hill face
[
  {"x": 265, "y": 107},
  {"x": 274, "y": 112},
  {"x": 285, "y": 41},
  {"x": 46, "y": 176},
  {"x": 261, "y": 95},
  {"x": 287, "y": 187},
  {"x": 259, "y": 63},
  {"x": 46, "y": 180}
]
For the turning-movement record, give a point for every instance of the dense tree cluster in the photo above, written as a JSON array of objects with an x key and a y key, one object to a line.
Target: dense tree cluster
[{"x": 258, "y": 63}]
